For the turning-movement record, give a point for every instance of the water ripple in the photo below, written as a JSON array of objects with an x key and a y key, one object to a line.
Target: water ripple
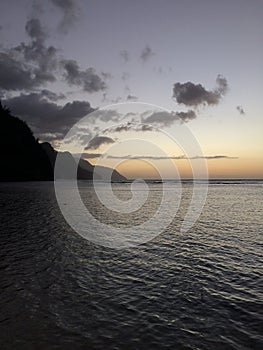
[{"x": 200, "y": 290}]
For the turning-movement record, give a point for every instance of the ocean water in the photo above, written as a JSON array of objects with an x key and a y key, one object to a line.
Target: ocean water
[{"x": 197, "y": 290}]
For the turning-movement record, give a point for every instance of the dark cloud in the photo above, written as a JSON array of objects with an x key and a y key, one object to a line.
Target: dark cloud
[
  {"x": 214, "y": 157},
  {"x": 191, "y": 94},
  {"x": 97, "y": 141},
  {"x": 145, "y": 127},
  {"x": 14, "y": 75},
  {"x": 164, "y": 118},
  {"x": 131, "y": 98},
  {"x": 91, "y": 155},
  {"x": 52, "y": 96},
  {"x": 34, "y": 64},
  {"x": 144, "y": 157},
  {"x": 147, "y": 53},
  {"x": 35, "y": 30},
  {"x": 121, "y": 128},
  {"x": 130, "y": 127},
  {"x": 45, "y": 117},
  {"x": 125, "y": 55},
  {"x": 88, "y": 79},
  {"x": 241, "y": 110},
  {"x": 69, "y": 10},
  {"x": 28, "y": 66},
  {"x": 44, "y": 57},
  {"x": 186, "y": 116}
]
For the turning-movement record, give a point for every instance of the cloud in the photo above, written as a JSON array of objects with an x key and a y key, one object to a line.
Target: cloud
[
  {"x": 107, "y": 115},
  {"x": 87, "y": 127},
  {"x": 14, "y": 75},
  {"x": 27, "y": 66},
  {"x": 191, "y": 94},
  {"x": 186, "y": 116},
  {"x": 144, "y": 157},
  {"x": 97, "y": 141},
  {"x": 35, "y": 30},
  {"x": 91, "y": 155},
  {"x": 130, "y": 127},
  {"x": 214, "y": 157},
  {"x": 125, "y": 55},
  {"x": 52, "y": 96},
  {"x": 147, "y": 53},
  {"x": 145, "y": 127},
  {"x": 50, "y": 137},
  {"x": 131, "y": 98},
  {"x": 106, "y": 75},
  {"x": 149, "y": 157},
  {"x": 45, "y": 117},
  {"x": 241, "y": 110},
  {"x": 121, "y": 128},
  {"x": 69, "y": 11},
  {"x": 182, "y": 157},
  {"x": 88, "y": 79},
  {"x": 164, "y": 118},
  {"x": 37, "y": 52}
]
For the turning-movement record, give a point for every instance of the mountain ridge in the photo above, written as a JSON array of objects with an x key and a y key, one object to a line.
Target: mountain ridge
[{"x": 24, "y": 158}]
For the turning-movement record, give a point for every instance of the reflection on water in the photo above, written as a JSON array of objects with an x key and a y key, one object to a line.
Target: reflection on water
[{"x": 200, "y": 290}]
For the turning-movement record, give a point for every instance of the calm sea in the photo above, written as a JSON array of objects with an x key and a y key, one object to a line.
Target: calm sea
[{"x": 197, "y": 290}]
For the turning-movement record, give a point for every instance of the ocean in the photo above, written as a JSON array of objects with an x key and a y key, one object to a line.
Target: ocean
[{"x": 200, "y": 289}]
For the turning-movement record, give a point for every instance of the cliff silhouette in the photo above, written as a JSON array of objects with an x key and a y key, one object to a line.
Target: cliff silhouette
[{"x": 23, "y": 158}]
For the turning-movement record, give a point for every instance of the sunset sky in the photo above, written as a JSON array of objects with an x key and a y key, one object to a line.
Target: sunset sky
[{"x": 194, "y": 64}]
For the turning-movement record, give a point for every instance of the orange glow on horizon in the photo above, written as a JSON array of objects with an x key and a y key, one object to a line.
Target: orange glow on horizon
[{"x": 217, "y": 168}]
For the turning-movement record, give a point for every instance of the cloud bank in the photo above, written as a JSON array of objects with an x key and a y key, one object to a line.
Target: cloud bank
[{"x": 47, "y": 117}]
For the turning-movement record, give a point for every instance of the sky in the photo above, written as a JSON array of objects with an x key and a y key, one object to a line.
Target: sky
[{"x": 194, "y": 64}]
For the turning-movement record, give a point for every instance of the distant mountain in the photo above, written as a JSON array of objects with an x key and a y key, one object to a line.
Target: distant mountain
[
  {"x": 23, "y": 158},
  {"x": 101, "y": 172},
  {"x": 85, "y": 170},
  {"x": 69, "y": 165}
]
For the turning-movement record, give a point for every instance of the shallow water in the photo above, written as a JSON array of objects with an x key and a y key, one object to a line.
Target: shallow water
[{"x": 198, "y": 290}]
